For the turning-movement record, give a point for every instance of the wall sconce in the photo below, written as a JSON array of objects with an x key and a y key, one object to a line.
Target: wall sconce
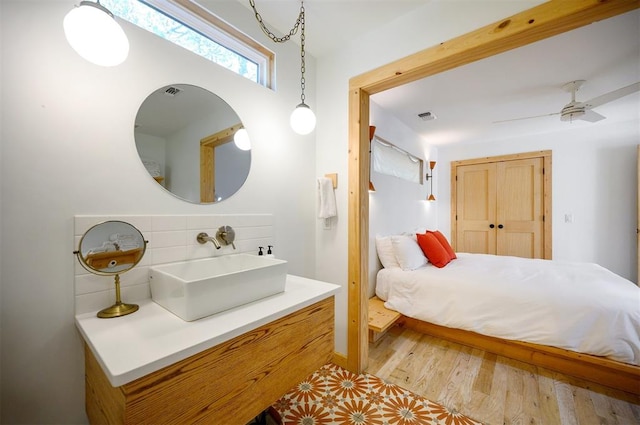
[
  {"x": 372, "y": 131},
  {"x": 94, "y": 34},
  {"x": 432, "y": 165}
]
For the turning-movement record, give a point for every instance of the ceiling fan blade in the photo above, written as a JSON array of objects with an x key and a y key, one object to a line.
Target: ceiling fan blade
[
  {"x": 591, "y": 116},
  {"x": 613, "y": 95},
  {"x": 526, "y": 118}
]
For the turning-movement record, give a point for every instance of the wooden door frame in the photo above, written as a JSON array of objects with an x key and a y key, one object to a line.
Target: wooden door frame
[
  {"x": 547, "y": 249},
  {"x": 546, "y": 20},
  {"x": 208, "y": 147}
]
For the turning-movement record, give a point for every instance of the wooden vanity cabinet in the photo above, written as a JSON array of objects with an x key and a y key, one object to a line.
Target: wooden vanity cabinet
[{"x": 230, "y": 383}]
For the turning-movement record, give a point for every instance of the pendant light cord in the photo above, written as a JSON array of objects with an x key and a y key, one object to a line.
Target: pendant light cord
[
  {"x": 300, "y": 24},
  {"x": 302, "y": 54},
  {"x": 270, "y": 34}
]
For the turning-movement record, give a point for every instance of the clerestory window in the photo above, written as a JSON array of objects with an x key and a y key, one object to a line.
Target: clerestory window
[{"x": 186, "y": 24}]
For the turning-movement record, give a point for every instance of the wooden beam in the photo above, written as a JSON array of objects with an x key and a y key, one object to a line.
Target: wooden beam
[
  {"x": 535, "y": 24},
  {"x": 221, "y": 137},
  {"x": 358, "y": 230},
  {"x": 207, "y": 174},
  {"x": 208, "y": 160}
]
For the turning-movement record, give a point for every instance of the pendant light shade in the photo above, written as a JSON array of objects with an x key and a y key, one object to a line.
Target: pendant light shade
[
  {"x": 303, "y": 120},
  {"x": 94, "y": 34},
  {"x": 241, "y": 139}
]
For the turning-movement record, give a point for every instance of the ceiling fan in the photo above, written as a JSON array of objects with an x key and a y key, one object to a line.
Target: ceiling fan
[{"x": 575, "y": 110}]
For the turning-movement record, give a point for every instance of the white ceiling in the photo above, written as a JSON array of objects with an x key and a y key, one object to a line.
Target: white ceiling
[
  {"x": 525, "y": 82},
  {"x": 467, "y": 100},
  {"x": 332, "y": 23}
]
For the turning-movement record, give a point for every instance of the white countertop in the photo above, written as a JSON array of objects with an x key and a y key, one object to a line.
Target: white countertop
[{"x": 143, "y": 342}]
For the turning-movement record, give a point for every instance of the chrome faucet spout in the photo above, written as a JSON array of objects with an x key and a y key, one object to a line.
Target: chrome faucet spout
[{"x": 204, "y": 238}]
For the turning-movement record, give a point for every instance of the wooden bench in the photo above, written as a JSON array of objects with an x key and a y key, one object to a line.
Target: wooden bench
[{"x": 380, "y": 319}]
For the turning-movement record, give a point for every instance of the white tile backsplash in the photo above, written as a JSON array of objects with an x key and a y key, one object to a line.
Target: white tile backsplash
[
  {"x": 170, "y": 238},
  {"x": 161, "y": 223}
]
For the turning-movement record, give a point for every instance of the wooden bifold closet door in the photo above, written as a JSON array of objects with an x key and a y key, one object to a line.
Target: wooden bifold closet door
[{"x": 501, "y": 206}]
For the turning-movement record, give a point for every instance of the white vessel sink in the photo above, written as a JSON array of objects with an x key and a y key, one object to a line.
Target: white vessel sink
[{"x": 198, "y": 288}]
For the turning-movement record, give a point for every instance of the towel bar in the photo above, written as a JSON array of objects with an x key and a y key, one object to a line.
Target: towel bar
[{"x": 334, "y": 179}]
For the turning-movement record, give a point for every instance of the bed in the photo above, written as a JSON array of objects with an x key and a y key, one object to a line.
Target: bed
[{"x": 577, "y": 318}]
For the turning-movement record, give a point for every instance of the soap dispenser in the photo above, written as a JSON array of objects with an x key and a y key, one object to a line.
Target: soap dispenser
[
  {"x": 260, "y": 248},
  {"x": 269, "y": 252}
]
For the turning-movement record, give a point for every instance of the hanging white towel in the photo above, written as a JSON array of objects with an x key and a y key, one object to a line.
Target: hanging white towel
[{"x": 326, "y": 198}]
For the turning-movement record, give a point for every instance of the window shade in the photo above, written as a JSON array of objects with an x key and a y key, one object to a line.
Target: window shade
[{"x": 391, "y": 160}]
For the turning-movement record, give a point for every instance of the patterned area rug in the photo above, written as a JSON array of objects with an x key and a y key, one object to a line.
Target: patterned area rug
[{"x": 333, "y": 395}]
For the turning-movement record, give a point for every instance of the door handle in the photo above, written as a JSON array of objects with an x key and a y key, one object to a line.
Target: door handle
[
  {"x": 500, "y": 226},
  {"x": 492, "y": 226}
]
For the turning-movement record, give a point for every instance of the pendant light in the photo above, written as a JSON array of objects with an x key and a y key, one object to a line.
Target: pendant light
[
  {"x": 241, "y": 139},
  {"x": 94, "y": 34},
  {"x": 302, "y": 120}
]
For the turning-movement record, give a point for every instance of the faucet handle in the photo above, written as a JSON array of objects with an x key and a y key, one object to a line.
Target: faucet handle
[{"x": 227, "y": 235}]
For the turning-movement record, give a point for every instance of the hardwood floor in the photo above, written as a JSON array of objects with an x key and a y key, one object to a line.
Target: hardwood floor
[{"x": 494, "y": 389}]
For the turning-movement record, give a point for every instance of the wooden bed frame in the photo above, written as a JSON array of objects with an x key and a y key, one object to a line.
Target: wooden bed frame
[
  {"x": 600, "y": 370},
  {"x": 603, "y": 371}
]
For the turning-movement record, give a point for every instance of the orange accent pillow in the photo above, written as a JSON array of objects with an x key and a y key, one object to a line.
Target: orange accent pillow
[
  {"x": 444, "y": 242},
  {"x": 433, "y": 249}
]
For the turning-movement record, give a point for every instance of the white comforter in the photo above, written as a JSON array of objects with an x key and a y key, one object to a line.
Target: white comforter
[{"x": 581, "y": 307}]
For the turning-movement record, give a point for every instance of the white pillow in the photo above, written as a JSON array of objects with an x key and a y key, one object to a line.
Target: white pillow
[
  {"x": 385, "y": 252},
  {"x": 408, "y": 252}
]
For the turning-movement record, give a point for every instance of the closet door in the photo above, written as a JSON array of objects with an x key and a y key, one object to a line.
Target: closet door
[
  {"x": 502, "y": 205},
  {"x": 476, "y": 208},
  {"x": 519, "y": 208}
]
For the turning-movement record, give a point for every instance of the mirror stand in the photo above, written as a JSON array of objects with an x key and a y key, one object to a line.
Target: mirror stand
[
  {"x": 119, "y": 308},
  {"x": 110, "y": 249}
]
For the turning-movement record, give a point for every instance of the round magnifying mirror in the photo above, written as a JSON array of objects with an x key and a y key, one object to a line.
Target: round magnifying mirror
[
  {"x": 110, "y": 249},
  {"x": 186, "y": 139}
]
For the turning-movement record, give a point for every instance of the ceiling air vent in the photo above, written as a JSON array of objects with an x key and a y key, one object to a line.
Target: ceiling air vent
[
  {"x": 427, "y": 116},
  {"x": 172, "y": 91}
]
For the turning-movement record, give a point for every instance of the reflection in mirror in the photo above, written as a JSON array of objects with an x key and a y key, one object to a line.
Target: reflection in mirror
[
  {"x": 109, "y": 249},
  {"x": 184, "y": 138}
]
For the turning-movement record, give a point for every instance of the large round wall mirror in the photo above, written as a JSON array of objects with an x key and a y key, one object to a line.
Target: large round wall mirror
[
  {"x": 192, "y": 143},
  {"x": 110, "y": 249}
]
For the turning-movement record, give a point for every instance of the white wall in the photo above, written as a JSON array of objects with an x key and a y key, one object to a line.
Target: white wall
[
  {"x": 594, "y": 180},
  {"x": 68, "y": 149},
  {"x": 397, "y": 205},
  {"x": 434, "y": 23},
  {"x": 152, "y": 148}
]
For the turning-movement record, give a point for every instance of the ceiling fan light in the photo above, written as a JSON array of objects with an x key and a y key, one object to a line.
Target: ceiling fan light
[{"x": 94, "y": 34}]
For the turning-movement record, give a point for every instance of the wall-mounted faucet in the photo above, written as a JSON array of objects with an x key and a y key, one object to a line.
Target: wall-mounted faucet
[
  {"x": 226, "y": 235},
  {"x": 204, "y": 238}
]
